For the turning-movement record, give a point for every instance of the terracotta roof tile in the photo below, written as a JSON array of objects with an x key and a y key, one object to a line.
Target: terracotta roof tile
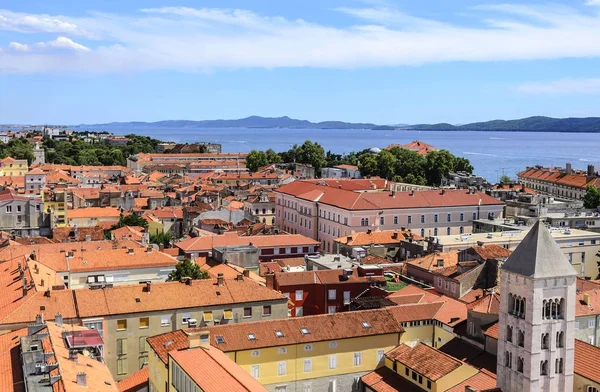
[
  {"x": 207, "y": 243},
  {"x": 214, "y": 371},
  {"x": 492, "y": 251},
  {"x": 424, "y": 359},
  {"x": 164, "y": 343},
  {"x": 431, "y": 261},
  {"x": 480, "y": 382},
  {"x": 386, "y": 380},
  {"x": 415, "y": 312},
  {"x": 587, "y": 303},
  {"x": 172, "y": 295},
  {"x": 135, "y": 382},
  {"x": 11, "y": 373},
  {"x": 94, "y": 212},
  {"x": 333, "y": 276},
  {"x": 587, "y": 361},
  {"x": 319, "y": 327},
  {"x": 377, "y": 237},
  {"x": 488, "y": 304}
]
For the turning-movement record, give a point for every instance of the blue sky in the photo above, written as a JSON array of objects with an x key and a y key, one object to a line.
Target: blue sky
[{"x": 381, "y": 61}]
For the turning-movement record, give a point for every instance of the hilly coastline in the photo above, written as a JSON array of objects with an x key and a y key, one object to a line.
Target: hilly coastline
[{"x": 530, "y": 124}]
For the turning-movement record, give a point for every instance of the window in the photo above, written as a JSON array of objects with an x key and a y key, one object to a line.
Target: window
[
  {"x": 121, "y": 325},
  {"x": 281, "y": 368},
  {"x": 543, "y": 368},
  {"x": 591, "y": 323},
  {"x": 559, "y": 339},
  {"x": 462, "y": 217},
  {"x": 461, "y": 230},
  {"x": 591, "y": 388},
  {"x": 414, "y": 375},
  {"x": 395, "y": 220},
  {"x": 591, "y": 340},
  {"x": 165, "y": 321},
  {"x": 299, "y": 311},
  {"x": 247, "y": 312},
  {"x": 228, "y": 314},
  {"x": 122, "y": 366},
  {"x": 435, "y": 231},
  {"x": 333, "y": 344},
  {"x": 422, "y": 232},
  {"x": 519, "y": 364},
  {"x": 474, "y": 216},
  {"x": 435, "y": 218},
  {"x": 509, "y": 333},
  {"x": 380, "y": 355},
  {"x": 449, "y": 218},
  {"x": 266, "y": 310},
  {"x": 308, "y": 347},
  {"x": 409, "y": 219},
  {"x": 97, "y": 325},
  {"x": 520, "y": 338},
  {"x": 121, "y": 346},
  {"x": 447, "y": 231},
  {"x": 332, "y": 361},
  {"x": 251, "y": 336},
  {"x": 357, "y": 359},
  {"x": 8, "y": 209},
  {"x": 307, "y": 365},
  {"x": 304, "y": 331},
  {"x": 332, "y": 386},
  {"x": 545, "y": 341},
  {"x": 346, "y": 297},
  {"x": 185, "y": 317},
  {"x": 307, "y": 387},
  {"x": 576, "y": 324},
  {"x": 143, "y": 345},
  {"x": 299, "y": 295},
  {"x": 428, "y": 384},
  {"x": 282, "y": 350},
  {"x": 420, "y": 379},
  {"x": 332, "y": 294},
  {"x": 256, "y": 371},
  {"x": 422, "y": 218},
  {"x": 406, "y": 371},
  {"x": 331, "y": 309}
]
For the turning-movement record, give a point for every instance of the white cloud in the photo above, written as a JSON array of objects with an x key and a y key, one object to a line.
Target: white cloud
[
  {"x": 203, "y": 39},
  {"x": 16, "y": 46},
  {"x": 562, "y": 87},
  {"x": 592, "y": 2},
  {"x": 63, "y": 43}
]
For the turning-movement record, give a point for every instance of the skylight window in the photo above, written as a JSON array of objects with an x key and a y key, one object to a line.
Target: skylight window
[
  {"x": 220, "y": 339},
  {"x": 366, "y": 324},
  {"x": 251, "y": 336},
  {"x": 304, "y": 331},
  {"x": 279, "y": 333}
]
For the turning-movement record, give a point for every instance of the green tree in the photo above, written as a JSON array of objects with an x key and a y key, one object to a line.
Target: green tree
[
  {"x": 161, "y": 238},
  {"x": 504, "y": 179},
  {"x": 412, "y": 179},
  {"x": 462, "y": 164},
  {"x": 311, "y": 154},
  {"x": 272, "y": 156},
  {"x": 408, "y": 162},
  {"x": 386, "y": 164},
  {"x": 256, "y": 159},
  {"x": 591, "y": 199},
  {"x": 368, "y": 166},
  {"x": 187, "y": 269},
  {"x": 438, "y": 165}
]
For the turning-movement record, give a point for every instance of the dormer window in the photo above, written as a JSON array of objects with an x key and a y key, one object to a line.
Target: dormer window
[
  {"x": 251, "y": 336},
  {"x": 304, "y": 331},
  {"x": 365, "y": 324},
  {"x": 279, "y": 333}
]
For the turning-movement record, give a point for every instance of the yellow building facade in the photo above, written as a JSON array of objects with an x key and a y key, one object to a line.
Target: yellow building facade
[{"x": 11, "y": 167}]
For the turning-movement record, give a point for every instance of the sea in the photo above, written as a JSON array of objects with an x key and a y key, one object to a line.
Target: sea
[{"x": 491, "y": 153}]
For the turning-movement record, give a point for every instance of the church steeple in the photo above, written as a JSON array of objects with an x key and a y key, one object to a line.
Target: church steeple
[
  {"x": 538, "y": 256},
  {"x": 537, "y": 317}
]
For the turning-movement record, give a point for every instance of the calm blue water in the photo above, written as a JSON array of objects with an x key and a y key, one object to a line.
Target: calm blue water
[{"x": 491, "y": 153}]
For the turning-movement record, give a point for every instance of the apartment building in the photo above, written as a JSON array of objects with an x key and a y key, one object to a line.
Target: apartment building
[
  {"x": 137, "y": 163},
  {"x": 126, "y": 315},
  {"x": 22, "y": 216},
  {"x": 35, "y": 180},
  {"x": 185, "y": 361},
  {"x": 11, "y": 167},
  {"x": 312, "y": 353},
  {"x": 324, "y": 213},
  {"x": 270, "y": 246},
  {"x": 566, "y": 184},
  {"x": 93, "y": 216},
  {"x": 324, "y": 291}
]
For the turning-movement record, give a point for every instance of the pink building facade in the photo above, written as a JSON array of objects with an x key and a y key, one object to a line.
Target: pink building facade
[{"x": 325, "y": 213}]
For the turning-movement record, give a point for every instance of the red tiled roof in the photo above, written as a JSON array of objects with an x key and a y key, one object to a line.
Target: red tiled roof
[
  {"x": 11, "y": 373},
  {"x": 426, "y": 360},
  {"x": 135, "y": 382},
  {"x": 480, "y": 382},
  {"x": 386, "y": 380},
  {"x": 207, "y": 243},
  {"x": 166, "y": 342},
  {"x": 587, "y": 361},
  {"x": 488, "y": 304}
]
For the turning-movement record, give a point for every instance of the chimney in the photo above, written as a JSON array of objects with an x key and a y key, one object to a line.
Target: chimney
[
  {"x": 395, "y": 235},
  {"x": 161, "y": 247},
  {"x": 569, "y": 169},
  {"x": 47, "y": 293},
  {"x": 189, "y": 281},
  {"x": 270, "y": 280},
  {"x": 369, "y": 231},
  {"x": 443, "y": 192},
  {"x": 149, "y": 249},
  {"x": 198, "y": 339},
  {"x": 240, "y": 276},
  {"x": 246, "y": 273},
  {"x": 73, "y": 356},
  {"x": 412, "y": 193},
  {"x": 39, "y": 318},
  {"x": 586, "y": 299},
  {"x": 82, "y": 379},
  {"x": 58, "y": 319},
  {"x": 479, "y": 243},
  {"x": 32, "y": 256},
  {"x": 220, "y": 279},
  {"x": 148, "y": 286},
  {"x": 25, "y": 291},
  {"x": 130, "y": 251}
]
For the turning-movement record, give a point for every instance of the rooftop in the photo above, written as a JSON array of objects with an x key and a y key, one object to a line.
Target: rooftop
[{"x": 426, "y": 360}]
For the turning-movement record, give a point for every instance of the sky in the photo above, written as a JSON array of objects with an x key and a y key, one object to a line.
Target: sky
[{"x": 379, "y": 61}]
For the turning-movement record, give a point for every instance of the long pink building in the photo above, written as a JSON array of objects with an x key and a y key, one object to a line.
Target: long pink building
[{"x": 324, "y": 212}]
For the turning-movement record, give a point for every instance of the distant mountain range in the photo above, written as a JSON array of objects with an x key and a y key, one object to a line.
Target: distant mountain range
[
  {"x": 248, "y": 122},
  {"x": 530, "y": 124}
]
